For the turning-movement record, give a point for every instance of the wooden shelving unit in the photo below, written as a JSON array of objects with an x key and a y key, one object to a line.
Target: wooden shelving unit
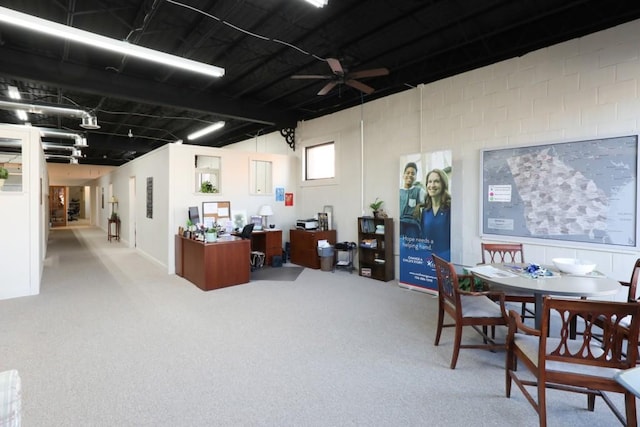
[{"x": 375, "y": 248}]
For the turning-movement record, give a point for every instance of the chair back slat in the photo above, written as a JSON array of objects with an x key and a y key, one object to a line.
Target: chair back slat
[
  {"x": 502, "y": 252},
  {"x": 448, "y": 285},
  {"x": 601, "y": 344}
]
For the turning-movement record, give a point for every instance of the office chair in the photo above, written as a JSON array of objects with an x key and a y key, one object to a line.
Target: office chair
[{"x": 246, "y": 231}]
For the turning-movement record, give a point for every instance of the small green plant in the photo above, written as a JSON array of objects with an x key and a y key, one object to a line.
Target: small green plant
[
  {"x": 4, "y": 173},
  {"x": 207, "y": 187},
  {"x": 376, "y": 204},
  {"x": 114, "y": 216},
  {"x": 214, "y": 228}
]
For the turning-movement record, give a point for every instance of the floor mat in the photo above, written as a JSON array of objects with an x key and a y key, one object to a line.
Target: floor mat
[{"x": 284, "y": 274}]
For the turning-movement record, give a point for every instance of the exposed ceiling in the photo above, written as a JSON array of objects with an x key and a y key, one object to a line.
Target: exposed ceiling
[{"x": 141, "y": 106}]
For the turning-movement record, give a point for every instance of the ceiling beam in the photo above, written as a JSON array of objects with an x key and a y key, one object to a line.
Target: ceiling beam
[{"x": 21, "y": 65}]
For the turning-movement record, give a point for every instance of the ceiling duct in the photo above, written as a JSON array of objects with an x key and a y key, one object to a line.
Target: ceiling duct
[
  {"x": 89, "y": 121},
  {"x": 74, "y": 152},
  {"x": 51, "y": 146},
  {"x": 78, "y": 140},
  {"x": 72, "y": 160}
]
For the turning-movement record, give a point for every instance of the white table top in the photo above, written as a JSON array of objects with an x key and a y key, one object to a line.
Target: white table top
[
  {"x": 562, "y": 284},
  {"x": 630, "y": 379}
]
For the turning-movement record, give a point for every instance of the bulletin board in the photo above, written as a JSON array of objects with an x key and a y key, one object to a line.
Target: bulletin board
[{"x": 219, "y": 212}]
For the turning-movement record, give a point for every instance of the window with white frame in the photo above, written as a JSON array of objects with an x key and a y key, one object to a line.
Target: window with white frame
[
  {"x": 320, "y": 161},
  {"x": 208, "y": 174}
]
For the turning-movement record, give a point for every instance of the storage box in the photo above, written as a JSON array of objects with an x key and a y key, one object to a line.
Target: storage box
[{"x": 366, "y": 272}]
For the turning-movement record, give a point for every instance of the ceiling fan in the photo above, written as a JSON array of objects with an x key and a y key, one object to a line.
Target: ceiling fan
[{"x": 343, "y": 76}]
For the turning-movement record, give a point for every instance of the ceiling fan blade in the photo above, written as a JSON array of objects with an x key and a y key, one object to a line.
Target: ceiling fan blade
[
  {"x": 360, "y": 86},
  {"x": 312, "y": 76},
  {"x": 335, "y": 65},
  {"x": 327, "y": 88},
  {"x": 375, "y": 72}
]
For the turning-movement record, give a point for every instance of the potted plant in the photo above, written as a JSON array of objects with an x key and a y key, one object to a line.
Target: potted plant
[
  {"x": 375, "y": 206},
  {"x": 207, "y": 187},
  {"x": 211, "y": 233},
  {"x": 4, "y": 174}
]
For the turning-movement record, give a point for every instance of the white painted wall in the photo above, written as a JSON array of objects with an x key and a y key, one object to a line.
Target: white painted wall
[
  {"x": 583, "y": 89},
  {"x": 172, "y": 168},
  {"x": 23, "y": 224}
]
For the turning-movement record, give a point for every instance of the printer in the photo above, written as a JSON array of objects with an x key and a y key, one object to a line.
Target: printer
[{"x": 307, "y": 224}]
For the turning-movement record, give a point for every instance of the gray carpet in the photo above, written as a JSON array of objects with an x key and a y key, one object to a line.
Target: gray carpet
[
  {"x": 284, "y": 273},
  {"x": 113, "y": 340}
]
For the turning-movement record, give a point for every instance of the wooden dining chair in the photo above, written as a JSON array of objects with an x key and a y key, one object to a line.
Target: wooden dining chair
[
  {"x": 475, "y": 309},
  {"x": 583, "y": 365},
  {"x": 632, "y": 297},
  {"x": 509, "y": 253}
]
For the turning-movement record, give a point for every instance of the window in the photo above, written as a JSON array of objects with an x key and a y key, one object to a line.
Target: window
[
  {"x": 207, "y": 174},
  {"x": 320, "y": 161},
  {"x": 10, "y": 164},
  {"x": 260, "y": 177}
]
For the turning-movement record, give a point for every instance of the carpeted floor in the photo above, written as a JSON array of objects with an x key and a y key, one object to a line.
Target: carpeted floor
[
  {"x": 284, "y": 273},
  {"x": 113, "y": 340}
]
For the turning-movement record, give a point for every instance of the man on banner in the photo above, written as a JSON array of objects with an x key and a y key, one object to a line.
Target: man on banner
[{"x": 431, "y": 212}]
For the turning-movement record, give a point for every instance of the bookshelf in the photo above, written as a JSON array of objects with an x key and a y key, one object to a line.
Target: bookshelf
[{"x": 375, "y": 248}]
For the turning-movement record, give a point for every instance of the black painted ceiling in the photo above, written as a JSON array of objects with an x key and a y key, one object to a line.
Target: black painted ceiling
[{"x": 261, "y": 44}]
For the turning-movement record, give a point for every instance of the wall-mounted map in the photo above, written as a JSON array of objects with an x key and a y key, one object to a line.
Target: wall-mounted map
[{"x": 583, "y": 191}]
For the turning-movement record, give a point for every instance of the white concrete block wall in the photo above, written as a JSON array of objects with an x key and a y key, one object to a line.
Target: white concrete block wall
[{"x": 585, "y": 88}]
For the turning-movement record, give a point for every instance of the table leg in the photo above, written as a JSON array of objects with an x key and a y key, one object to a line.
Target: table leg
[{"x": 538, "y": 318}]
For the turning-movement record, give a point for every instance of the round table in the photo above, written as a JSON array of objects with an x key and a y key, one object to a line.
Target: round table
[{"x": 562, "y": 284}]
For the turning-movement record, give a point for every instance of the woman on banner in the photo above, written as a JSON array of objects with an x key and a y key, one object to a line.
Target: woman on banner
[
  {"x": 435, "y": 218},
  {"x": 411, "y": 195}
]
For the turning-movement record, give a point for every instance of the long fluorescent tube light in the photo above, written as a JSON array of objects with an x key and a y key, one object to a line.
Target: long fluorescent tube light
[
  {"x": 214, "y": 127},
  {"x": 318, "y": 3},
  {"x": 28, "y": 22}
]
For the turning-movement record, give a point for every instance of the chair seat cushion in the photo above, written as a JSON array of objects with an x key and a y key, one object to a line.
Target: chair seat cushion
[
  {"x": 528, "y": 344},
  {"x": 479, "y": 306},
  {"x": 10, "y": 399}
]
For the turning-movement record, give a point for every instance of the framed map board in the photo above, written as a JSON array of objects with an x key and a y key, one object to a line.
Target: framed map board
[{"x": 583, "y": 192}]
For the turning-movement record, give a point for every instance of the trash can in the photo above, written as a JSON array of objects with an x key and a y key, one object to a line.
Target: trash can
[{"x": 326, "y": 258}]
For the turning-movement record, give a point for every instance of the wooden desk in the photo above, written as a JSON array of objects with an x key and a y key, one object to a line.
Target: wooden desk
[
  {"x": 213, "y": 265},
  {"x": 304, "y": 246},
  {"x": 267, "y": 241}
]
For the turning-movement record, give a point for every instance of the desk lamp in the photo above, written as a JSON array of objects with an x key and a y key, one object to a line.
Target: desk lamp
[{"x": 265, "y": 211}]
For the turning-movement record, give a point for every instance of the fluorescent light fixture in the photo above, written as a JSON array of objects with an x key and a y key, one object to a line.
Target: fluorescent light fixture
[
  {"x": 22, "y": 115},
  {"x": 202, "y": 132},
  {"x": 14, "y": 93},
  {"x": 32, "y": 23},
  {"x": 318, "y": 3}
]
